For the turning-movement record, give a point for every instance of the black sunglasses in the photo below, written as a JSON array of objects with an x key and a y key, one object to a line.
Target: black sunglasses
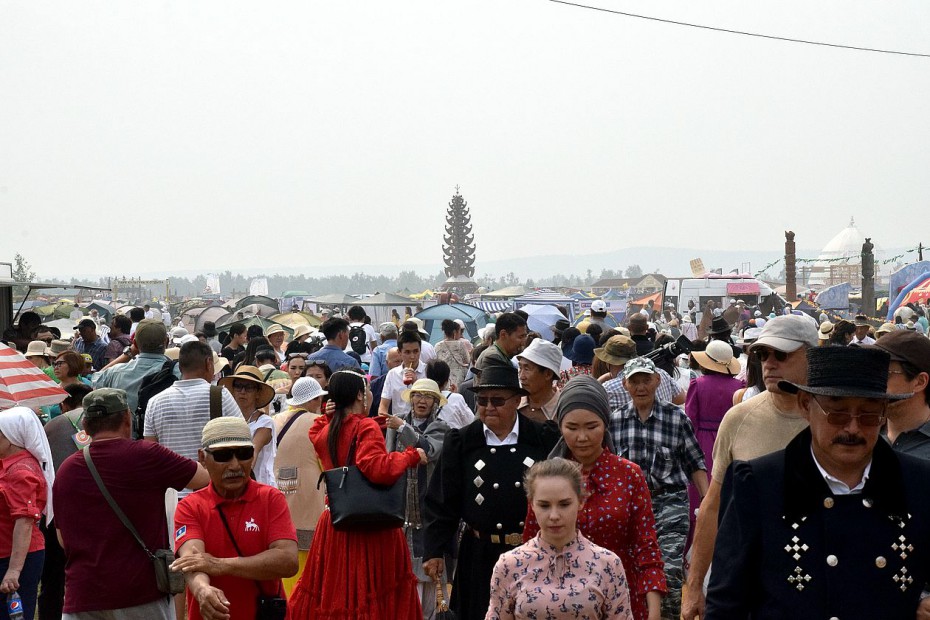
[
  {"x": 316, "y": 363},
  {"x": 224, "y": 455},
  {"x": 763, "y": 354},
  {"x": 497, "y": 401}
]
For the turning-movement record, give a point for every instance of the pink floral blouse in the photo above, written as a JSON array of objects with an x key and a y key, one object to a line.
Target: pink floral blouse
[{"x": 581, "y": 581}]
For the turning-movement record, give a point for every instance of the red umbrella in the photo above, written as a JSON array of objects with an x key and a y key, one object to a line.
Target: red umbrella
[{"x": 24, "y": 385}]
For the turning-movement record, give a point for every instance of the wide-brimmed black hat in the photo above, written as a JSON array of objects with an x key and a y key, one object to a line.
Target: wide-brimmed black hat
[
  {"x": 499, "y": 377},
  {"x": 846, "y": 372},
  {"x": 718, "y": 326}
]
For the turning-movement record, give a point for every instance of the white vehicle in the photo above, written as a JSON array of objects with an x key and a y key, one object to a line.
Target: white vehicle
[{"x": 717, "y": 288}]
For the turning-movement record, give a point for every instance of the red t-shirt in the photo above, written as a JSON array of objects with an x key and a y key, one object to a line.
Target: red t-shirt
[
  {"x": 22, "y": 495},
  {"x": 106, "y": 568},
  {"x": 257, "y": 518}
]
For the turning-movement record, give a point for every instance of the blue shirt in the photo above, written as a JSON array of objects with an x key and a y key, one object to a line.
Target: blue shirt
[
  {"x": 379, "y": 358},
  {"x": 129, "y": 376},
  {"x": 335, "y": 358}
]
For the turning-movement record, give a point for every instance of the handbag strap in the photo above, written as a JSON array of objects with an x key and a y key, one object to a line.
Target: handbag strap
[
  {"x": 232, "y": 538},
  {"x": 106, "y": 495},
  {"x": 287, "y": 425}
]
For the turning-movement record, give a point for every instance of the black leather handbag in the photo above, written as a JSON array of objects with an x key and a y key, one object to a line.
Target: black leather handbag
[{"x": 356, "y": 503}]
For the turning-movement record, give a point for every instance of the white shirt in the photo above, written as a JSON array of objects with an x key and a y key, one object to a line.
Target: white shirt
[
  {"x": 864, "y": 341},
  {"x": 149, "y": 314},
  {"x": 837, "y": 486},
  {"x": 394, "y": 387},
  {"x": 370, "y": 334},
  {"x": 493, "y": 440},
  {"x": 456, "y": 412},
  {"x": 427, "y": 352}
]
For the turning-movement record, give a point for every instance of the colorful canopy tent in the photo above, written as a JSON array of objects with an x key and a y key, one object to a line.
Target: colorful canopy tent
[
  {"x": 252, "y": 320},
  {"x": 379, "y": 306},
  {"x": 508, "y": 291},
  {"x": 427, "y": 294},
  {"x": 494, "y": 306},
  {"x": 296, "y": 319},
  {"x": 917, "y": 290},
  {"x": 474, "y": 319},
  {"x": 58, "y": 310}
]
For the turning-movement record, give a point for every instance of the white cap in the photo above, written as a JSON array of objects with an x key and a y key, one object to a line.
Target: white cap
[{"x": 598, "y": 305}]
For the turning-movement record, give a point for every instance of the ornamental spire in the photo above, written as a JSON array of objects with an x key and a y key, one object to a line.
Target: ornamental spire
[{"x": 459, "y": 243}]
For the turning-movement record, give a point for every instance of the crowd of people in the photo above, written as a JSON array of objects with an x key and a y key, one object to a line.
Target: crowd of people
[{"x": 715, "y": 463}]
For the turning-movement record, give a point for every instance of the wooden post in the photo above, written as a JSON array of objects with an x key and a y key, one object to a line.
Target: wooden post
[{"x": 791, "y": 283}]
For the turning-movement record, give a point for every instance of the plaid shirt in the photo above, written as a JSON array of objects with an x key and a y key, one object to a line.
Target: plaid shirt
[
  {"x": 618, "y": 397},
  {"x": 665, "y": 447}
]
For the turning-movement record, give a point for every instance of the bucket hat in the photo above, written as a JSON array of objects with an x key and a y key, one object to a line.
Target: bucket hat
[
  {"x": 617, "y": 351},
  {"x": 304, "y": 390},
  {"x": 545, "y": 354}
]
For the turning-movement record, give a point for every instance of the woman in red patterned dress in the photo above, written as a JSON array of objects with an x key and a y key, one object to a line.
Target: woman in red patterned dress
[
  {"x": 362, "y": 575},
  {"x": 617, "y": 513}
]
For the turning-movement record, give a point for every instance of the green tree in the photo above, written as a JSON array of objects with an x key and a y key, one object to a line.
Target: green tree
[
  {"x": 633, "y": 271},
  {"x": 22, "y": 272}
]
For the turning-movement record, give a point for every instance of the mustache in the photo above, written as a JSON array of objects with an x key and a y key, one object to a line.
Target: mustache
[
  {"x": 848, "y": 440},
  {"x": 233, "y": 474}
]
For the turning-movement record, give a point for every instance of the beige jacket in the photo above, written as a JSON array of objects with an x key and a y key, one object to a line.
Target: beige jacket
[{"x": 297, "y": 468}]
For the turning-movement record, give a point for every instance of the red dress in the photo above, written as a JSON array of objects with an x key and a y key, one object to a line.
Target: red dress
[
  {"x": 618, "y": 516},
  {"x": 358, "y": 575}
]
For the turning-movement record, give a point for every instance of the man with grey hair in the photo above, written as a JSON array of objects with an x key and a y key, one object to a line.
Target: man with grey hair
[
  {"x": 756, "y": 427},
  {"x": 388, "y": 334}
]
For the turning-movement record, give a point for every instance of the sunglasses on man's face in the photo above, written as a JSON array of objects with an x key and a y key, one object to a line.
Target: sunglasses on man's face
[
  {"x": 763, "y": 354},
  {"x": 497, "y": 401},
  {"x": 224, "y": 455}
]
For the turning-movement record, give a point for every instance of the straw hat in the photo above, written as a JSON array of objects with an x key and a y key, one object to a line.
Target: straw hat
[
  {"x": 253, "y": 374},
  {"x": 718, "y": 356},
  {"x": 826, "y": 328},
  {"x": 226, "y": 432},
  {"x": 219, "y": 363},
  {"x": 302, "y": 330},
  {"x": 424, "y": 386}
]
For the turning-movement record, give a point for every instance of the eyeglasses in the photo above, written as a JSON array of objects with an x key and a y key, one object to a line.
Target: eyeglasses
[
  {"x": 842, "y": 418},
  {"x": 497, "y": 401},
  {"x": 763, "y": 354},
  {"x": 242, "y": 385},
  {"x": 224, "y": 455},
  {"x": 425, "y": 396},
  {"x": 58, "y": 364}
]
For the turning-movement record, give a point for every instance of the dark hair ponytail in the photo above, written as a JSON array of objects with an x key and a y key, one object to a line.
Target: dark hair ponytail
[{"x": 344, "y": 387}]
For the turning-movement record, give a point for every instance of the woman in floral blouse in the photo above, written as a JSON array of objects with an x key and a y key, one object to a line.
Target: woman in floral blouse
[
  {"x": 617, "y": 513},
  {"x": 559, "y": 573}
]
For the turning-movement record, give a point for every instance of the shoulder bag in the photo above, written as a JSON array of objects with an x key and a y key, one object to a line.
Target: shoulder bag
[
  {"x": 266, "y": 607},
  {"x": 355, "y": 502},
  {"x": 167, "y": 580}
]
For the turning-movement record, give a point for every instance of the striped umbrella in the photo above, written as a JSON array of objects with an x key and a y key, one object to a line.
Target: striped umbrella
[{"x": 22, "y": 384}]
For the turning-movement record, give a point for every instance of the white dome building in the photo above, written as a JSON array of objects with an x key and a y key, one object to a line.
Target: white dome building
[{"x": 846, "y": 244}]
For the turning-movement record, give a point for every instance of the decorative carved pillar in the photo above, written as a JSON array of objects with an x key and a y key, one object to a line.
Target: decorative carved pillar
[
  {"x": 868, "y": 278},
  {"x": 791, "y": 282}
]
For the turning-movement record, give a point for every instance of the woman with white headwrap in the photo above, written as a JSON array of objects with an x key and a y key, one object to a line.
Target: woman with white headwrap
[{"x": 26, "y": 477}]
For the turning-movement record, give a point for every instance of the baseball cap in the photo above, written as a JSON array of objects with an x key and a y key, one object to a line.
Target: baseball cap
[
  {"x": 907, "y": 346},
  {"x": 226, "y": 432},
  {"x": 150, "y": 334},
  {"x": 105, "y": 401},
  {"x": 788, "y": 333},
  {"x": 640, "y": 364},
  {"x": 598, "y": 305}
]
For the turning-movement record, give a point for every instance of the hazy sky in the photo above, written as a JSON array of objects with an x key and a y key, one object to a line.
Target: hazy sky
[{"x": 146, "y": 136}]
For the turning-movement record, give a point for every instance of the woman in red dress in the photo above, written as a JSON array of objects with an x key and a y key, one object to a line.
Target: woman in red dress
[
  {"x": 617, "y": 513},
  {"x": 359, "y": 575}
]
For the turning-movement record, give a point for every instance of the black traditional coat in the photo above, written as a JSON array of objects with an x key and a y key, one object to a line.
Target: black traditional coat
[
  {"x": 482, "y": 486},
  {"x": 788, "y": 548}
]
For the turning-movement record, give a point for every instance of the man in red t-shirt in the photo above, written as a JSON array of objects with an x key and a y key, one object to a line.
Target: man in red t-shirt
[
  {"x": 235, "y": 538},
  {"x": 107, "y": 570}
]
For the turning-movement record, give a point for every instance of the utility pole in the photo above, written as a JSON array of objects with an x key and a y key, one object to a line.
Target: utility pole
[{"x": 920, "y": 251}]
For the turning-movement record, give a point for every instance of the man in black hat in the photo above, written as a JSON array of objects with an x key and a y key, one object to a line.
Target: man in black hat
[
  {"x": 908, "y": 427},
  {"x": 838, "y": 523},
  {"x": 479, "y": 480}
]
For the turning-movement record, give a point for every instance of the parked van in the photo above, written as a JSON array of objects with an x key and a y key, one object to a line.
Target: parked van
[{"x": 718, "y": 288}]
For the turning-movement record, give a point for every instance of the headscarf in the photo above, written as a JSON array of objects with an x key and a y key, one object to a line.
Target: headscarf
[
  {"x": 582, "y": 392},
  {"x": 21, "y": 426}
]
